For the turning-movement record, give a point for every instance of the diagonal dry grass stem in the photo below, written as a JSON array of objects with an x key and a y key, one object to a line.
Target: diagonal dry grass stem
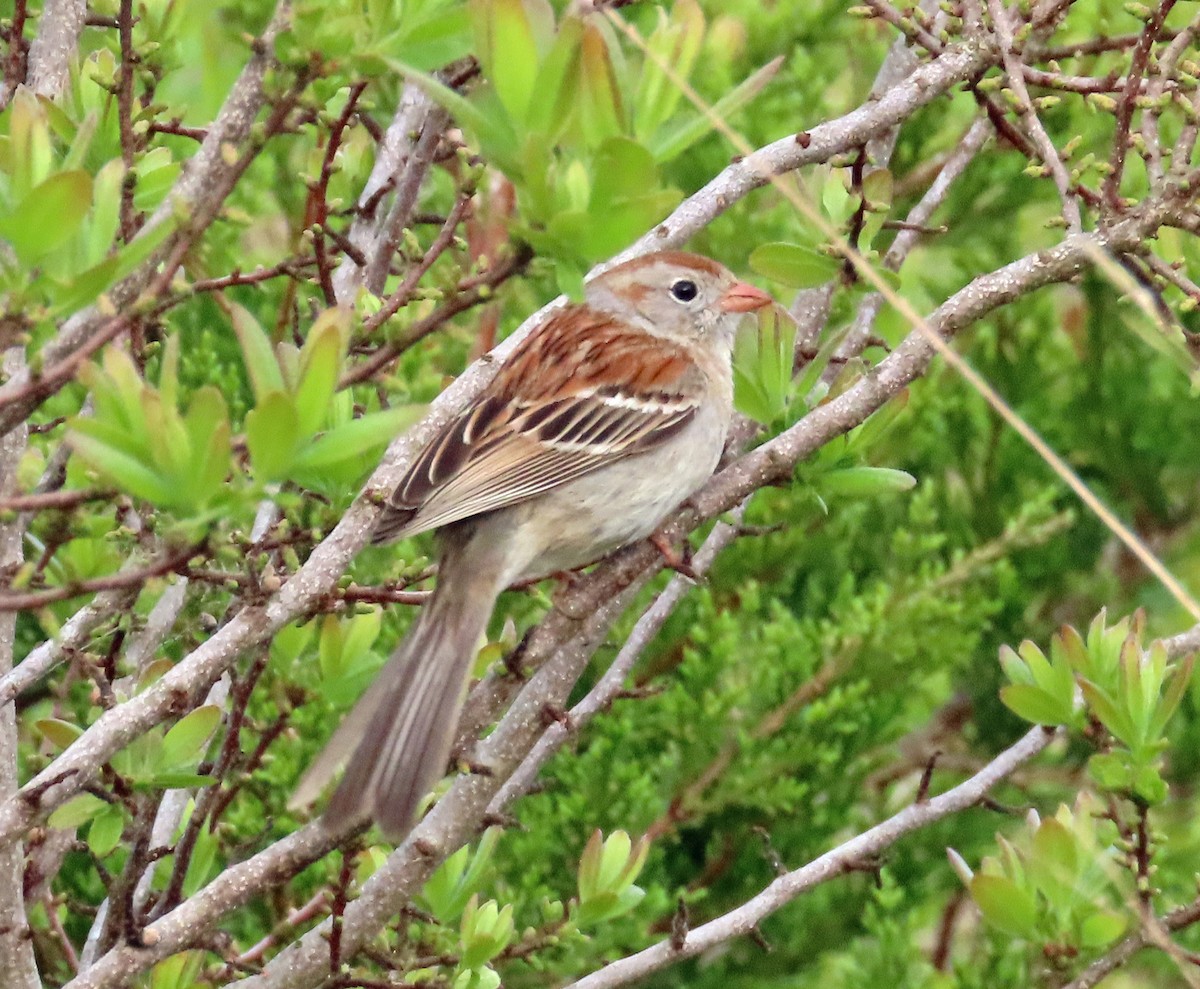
[{"x": 869, "y": 274}]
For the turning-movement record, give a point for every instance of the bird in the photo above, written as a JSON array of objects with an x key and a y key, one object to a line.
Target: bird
[{"x": 606, "y": 417}]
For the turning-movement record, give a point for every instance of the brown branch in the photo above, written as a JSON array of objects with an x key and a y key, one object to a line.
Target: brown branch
[
  {"x": 741, "y": 921},
  {"x": 198, "y": 194},
  {"x": 316, "y": 209},
  {"x": 172, "y": 562},
  {"x": 1176, "y": 920},
  {"x": 290, "y": 268},
  {"x": 441, "y": 243},
  {"x": 471, "y": 291},
  {"x": 1125, "y": 108},
  {"x": 125, "y": 118},
  {"x": 1097, "y": 46},
  {"x": 18, "y": 51},
  {"x": 61, "y": 500}
]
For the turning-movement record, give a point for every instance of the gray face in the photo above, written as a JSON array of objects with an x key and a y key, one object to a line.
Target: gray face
[{"x": 669, "y": 294}]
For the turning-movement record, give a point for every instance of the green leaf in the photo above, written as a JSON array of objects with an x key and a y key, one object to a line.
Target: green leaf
[
  {"x": 448, "y": 890},
  {"x": 49, "y": 216},
  {"x": 106, "y": 212},
  {"x": 1014, "y": 668},
  {"x": 76, "y": 811},
  {"x": 86, "y": 286},
  {"x": 622, "y": 169},
  {"x": 836, "y": 201},
  {"x": 1004, "y": 904},
  {"x": 1111, "y": 771},
  {"x": 1102, "y": 928},
  {"x": 1034, "y": 704},
  {"x": 272, "y": 435},
  {"x": 263, "y": 368},
  {"x": 148, "y": 240},
  {"x": 60, "y": 734},
  {"x": 359, "y": 635},
  {"x": 1111, "y": 715},
  {"x": 794, "y": 265},
  {"x": 557, "y": 84},
  {"x": 204, "y": 860},
  {"x": 357, "y": 437},
  {"x": 105, "y": 832},
  {"x": 507, "y": 50},
  {"x": 208, "y": 429},
  {"x": 1054, "y": 862},
  {"x": 485, "y": 931},
  {"x": 120, "y": 468},
  {"x": 329, "y": 648},
  {"x": 185, "y": 743},
  {"x": 864, "y": 482},
  {"x": 877, "y": 188},
  {"x": 32, "y": 154},
  {"x": 762, "y": 366},
  {"x": 675, "y": 43},
  {"x": 599, "y": 96},
  {"x": 320, "y": 364}
]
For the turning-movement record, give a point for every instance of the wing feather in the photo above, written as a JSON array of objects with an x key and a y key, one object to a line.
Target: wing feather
[{"x": 544, "y": 421}]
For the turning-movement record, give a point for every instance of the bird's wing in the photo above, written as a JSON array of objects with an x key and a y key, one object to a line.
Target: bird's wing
[{"x": 582, "y": 391}]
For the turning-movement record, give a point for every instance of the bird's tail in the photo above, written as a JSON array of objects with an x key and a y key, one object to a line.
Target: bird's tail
[{"x": 402, "y": 728}]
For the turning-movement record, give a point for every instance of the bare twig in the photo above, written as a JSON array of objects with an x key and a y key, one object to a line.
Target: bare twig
[
  {"x": 1113, "y": 959},
  {"x": 198, "y": 195},
  {"x": 836, "y": 862},
  {"x": 1125, "y": 108},
  {"x": 16, "y": 949},
  {"x": 50, "y": 55},
  {"x": 400, "y": 163},
  {"x": 74, "y": 634},
  {"x": 1051, "y": 159},
  {"x": 169, "y": 563}
]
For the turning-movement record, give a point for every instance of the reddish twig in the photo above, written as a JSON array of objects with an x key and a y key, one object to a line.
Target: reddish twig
[
  {"x": 1121, "y": 136},
  {"x": 129, "y": 224},
  {"x": 40, "y": 502},
  {"x": 18, "y": 50},
  {"x": 171, "y": 563},
  {"x": 470, "y": 293},
  {"x": 317, "y": 210}
]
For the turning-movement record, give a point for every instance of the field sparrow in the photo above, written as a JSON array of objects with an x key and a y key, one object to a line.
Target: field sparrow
[{"x": 604, "y": 419}]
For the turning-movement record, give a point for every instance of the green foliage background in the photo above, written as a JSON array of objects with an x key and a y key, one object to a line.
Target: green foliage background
[{"x": 827, "y": 658}]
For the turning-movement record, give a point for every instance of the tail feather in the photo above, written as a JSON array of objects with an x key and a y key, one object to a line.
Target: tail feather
[{"x": 404, "y": 725}]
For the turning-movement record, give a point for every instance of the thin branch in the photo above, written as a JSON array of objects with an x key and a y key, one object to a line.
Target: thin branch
[
  {"x": 400, "y": 163},
  {"x": 198, "y": 194},
  {"x": 1013, "y": 68},
  {"x": 125, "y": 117},
  {"x": 46, "y": 500},
  {"x": 74, "y": 635},
  {"x": 836, "y": 862},
  {"x": 170, "y": 562},
  {"x": 1125, "y": 108},
  {"x": 1113, "y": 959},
  {"x": 16, "y": 949},
  {"x": 15, "y": 66},
  {"x": 57, "y": 39},
  {"x": 470, "y": 292}
]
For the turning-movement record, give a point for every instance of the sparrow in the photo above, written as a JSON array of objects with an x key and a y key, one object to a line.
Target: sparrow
[{"x": 604, "y": 419}]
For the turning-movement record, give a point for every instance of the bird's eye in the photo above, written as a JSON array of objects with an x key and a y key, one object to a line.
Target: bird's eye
[{"x": 683, "y": 289}]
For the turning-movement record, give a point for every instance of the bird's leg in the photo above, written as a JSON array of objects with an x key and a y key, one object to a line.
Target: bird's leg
[{"x": 679, "y": 560}]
